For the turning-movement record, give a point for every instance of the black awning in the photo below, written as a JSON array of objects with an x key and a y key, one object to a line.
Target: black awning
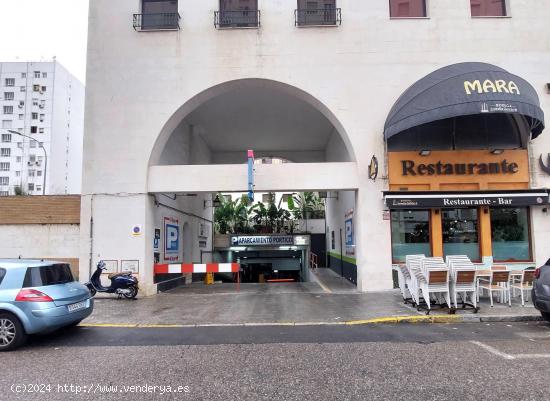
[
  {"x": 461, "y": 90},
  {"x": 430, "y": 199}
]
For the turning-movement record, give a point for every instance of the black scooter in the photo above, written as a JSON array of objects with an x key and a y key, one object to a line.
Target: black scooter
[{"x": 123, "y": 283}]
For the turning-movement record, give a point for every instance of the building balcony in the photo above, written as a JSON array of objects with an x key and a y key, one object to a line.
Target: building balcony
[
  {"x": 157, "y": 22},
  {"x": 318, "y": 17},
  {"x": 237, "y": 19}
]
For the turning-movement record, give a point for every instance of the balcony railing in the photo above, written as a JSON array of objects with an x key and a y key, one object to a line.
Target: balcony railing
[
  {"x": 237, "y": 19},
  {"x": 318, "y": 17},
  {"x": 157, "y": 22}
]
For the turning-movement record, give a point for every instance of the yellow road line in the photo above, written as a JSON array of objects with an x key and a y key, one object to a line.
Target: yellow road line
[
  {"x": 409, "y": 319},
  {"x": 379, "y": 320},
  {"x": 131, "y": 325}
]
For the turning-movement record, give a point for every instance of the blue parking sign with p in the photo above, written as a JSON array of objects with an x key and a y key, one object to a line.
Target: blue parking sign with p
[{"x": 171, "y": 239}]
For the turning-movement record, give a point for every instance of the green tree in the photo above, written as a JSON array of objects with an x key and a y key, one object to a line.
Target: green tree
[
  {"x": 18, "y": 191},
  {"x": 231, "y": 216},
  {"x": 306, "y": 205}
]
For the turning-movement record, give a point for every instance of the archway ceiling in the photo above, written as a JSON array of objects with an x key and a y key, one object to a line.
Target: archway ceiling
[{"x": 262, "y": 119}]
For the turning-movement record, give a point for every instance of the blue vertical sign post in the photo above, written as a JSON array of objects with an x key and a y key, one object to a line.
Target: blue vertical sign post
[{"x": 251, "y": 175}]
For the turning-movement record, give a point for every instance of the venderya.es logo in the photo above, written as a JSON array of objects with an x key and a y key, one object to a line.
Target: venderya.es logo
[{"x": 545, "y": 167}]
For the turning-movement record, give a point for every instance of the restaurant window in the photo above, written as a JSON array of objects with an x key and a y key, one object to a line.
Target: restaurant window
[
  {"x": 488, "y": 8},
  {"x": 408, "y": 8},
  {"x": 510, "y": 234},
  {"x": 410, "y": 233},
  {"x": 460, "y": 233}
]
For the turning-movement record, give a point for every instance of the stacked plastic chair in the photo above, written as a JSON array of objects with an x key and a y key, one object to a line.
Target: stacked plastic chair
[
  {"x": 434, "y": 281},
  {"x": 462, "y": 280},
  {"x": 404, "y": 279},
  {"x": 413, "y": 264}
]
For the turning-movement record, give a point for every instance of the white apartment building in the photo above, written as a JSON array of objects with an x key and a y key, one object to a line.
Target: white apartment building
[
  {"x": 422, "y": 120},
  {"x": 45, "y": 104}
]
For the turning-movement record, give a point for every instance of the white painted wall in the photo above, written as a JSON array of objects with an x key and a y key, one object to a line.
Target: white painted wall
[
  {"x": 39, "y": 240},
  {"x": 267, "y": 177},
  {"x": 141, "y": 85}
]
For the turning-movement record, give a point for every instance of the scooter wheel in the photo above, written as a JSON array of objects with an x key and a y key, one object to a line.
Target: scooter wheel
[
  {"x": 132, "y": 294},
  {"x": 93, "y": 291}
]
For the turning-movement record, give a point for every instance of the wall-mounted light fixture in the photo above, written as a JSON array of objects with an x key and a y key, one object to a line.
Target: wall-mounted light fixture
[
  {"x": 425, "y": 152},
  {"x": 215, "y": 202},
  {"x": 497, "y": 151}
]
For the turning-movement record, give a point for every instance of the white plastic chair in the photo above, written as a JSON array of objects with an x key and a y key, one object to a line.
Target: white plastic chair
[
  {"x": 413, "y": 265},
  {"x": 524, "y": 284},
  {"x": 404, "y": 279},
  {"x": 499, "y": 282},
  {"x": 462, "y": 279},
  {"x": 435, "y": 280}
]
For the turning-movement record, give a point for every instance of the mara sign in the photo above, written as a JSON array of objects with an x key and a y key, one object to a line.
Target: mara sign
[{"x": 488, "y": 86}]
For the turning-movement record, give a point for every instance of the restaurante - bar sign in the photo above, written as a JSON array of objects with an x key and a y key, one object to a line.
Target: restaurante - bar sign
[{"x": 409, "y": 167}]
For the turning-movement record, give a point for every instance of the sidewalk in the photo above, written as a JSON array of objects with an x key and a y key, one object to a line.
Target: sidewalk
[{"x": 329, "y": 300}]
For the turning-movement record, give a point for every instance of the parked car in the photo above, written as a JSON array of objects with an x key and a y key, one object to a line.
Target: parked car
[
  {"x": 38, "y": 297},
  {"x": 541, "y": 290}
]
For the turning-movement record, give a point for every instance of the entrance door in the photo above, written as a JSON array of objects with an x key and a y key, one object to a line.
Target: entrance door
[{"x": 319, "y": 247}]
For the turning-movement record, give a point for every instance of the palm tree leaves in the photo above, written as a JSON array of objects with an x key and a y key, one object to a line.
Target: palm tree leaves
[{"x": 239, "y": 216}]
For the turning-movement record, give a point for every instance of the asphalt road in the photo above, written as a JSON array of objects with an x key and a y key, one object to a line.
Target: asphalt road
[{"x": 376, "y": 362}]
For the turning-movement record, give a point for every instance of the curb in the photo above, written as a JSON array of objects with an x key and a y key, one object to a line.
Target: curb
[{"x": 381, "y": 320}]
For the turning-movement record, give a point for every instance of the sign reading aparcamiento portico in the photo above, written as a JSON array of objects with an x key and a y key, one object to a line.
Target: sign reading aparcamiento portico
[{"x": 262, "y": 240}]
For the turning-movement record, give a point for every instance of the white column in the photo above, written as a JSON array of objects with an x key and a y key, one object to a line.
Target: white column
[{"x": 373, "y": 239}]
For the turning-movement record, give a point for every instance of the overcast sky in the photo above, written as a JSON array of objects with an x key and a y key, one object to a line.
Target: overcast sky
[{"x": 34, "y": 30}]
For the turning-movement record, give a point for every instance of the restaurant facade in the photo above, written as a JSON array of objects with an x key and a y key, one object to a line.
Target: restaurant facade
[
  {"x": 459, "y": 166},
  {"x": 424, "y": 132}
]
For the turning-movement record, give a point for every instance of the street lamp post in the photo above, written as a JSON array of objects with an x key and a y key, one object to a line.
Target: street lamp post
[{"x": 45, "y": 156}]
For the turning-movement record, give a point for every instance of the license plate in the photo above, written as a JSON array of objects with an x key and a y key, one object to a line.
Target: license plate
[{"x": 77, "y": 306}]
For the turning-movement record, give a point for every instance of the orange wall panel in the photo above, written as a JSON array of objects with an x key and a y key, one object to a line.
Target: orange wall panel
[{"x": 512, "y": 173}]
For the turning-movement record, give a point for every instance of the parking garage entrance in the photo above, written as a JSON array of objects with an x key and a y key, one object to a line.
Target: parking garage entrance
[
  {"x": 268, "y": 258},
  {"x": 301, "y": 152}
]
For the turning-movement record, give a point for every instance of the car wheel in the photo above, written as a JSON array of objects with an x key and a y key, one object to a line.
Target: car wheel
[
  {"x": 546, "y": 316},
  {"x": 12, "y": 334}
]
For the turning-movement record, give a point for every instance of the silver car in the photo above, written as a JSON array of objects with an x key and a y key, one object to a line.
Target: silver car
[{"x": 38, "y": 297}]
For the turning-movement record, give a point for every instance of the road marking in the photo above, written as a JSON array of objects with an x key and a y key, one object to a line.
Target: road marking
[
  {"x": 504, "y": 355},
  {"x": 380, "y": 320},
  {"x": 532, "y": 356},
  {"x": 134, "y": 325},
  {"x": 493, "y": 350}
]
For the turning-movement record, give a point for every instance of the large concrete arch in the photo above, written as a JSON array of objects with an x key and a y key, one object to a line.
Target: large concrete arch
[{"x": 199, "y": 99}]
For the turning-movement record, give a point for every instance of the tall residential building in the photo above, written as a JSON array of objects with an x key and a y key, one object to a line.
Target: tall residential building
[{"x": 44, "y": 103}]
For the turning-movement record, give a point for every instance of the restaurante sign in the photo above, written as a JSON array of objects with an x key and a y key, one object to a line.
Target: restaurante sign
[{"x": 409, "y": 167}]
